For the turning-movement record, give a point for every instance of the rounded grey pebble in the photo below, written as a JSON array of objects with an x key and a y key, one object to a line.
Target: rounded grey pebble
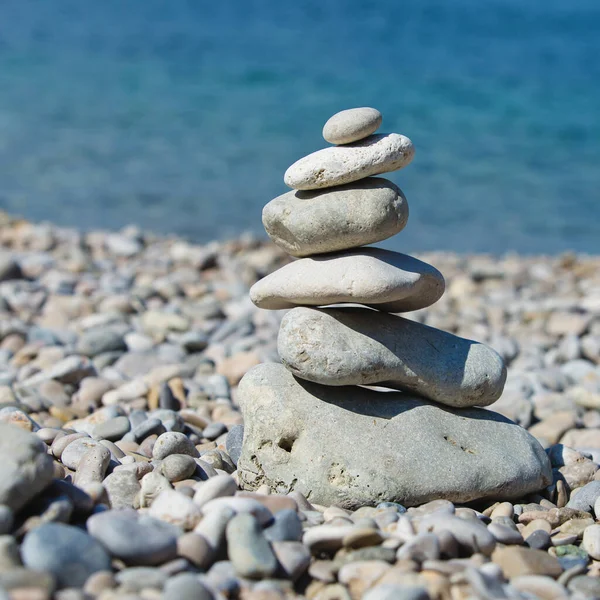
[
  {"x": 248, "y": 549},
  {"x": 286, "y": 527},
  {"x": 67, "y": 552},
  {"x": 112, "y": 430},
  {"x": 213, "y": 431},
  {"x": 135, "y": 539},
  {"x": 586, "y": 497},
  {"x": 177, "y": 467},
  {"x": 539, "y": 540},
  {"x": 234, "y": 441},
  {"x": 173, "y": 442},
  {"x": 186, "y": 586},
  {"x": 152, "y": 426}
]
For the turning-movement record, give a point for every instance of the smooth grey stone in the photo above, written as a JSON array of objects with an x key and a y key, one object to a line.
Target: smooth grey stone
[
  {"x": 471, "y": 535},
  {"x": 112, "y": 430},
  {"x": 135, "y": 539},
  {"x": 173, "y": 442},
  {"x": 214, "y": 430},
  {"x": 193, "y": 341},
  {"x": 223, "y": 578},
  {"x": 171, "y": 419},
  {"x": 25, "y": 469},
  {"x": 504, "y": 534},
  {"x": 357, "y": 346},
  {"x": 352, "y": 125},
  {"x": 76, "y": 450},
  {"x": 293, "y": 558},
  {"x": 215, "y": 487},
  {"x": 100, "y": 340},
  {"x": 382, "y": 279},
  {"x": 288, "y": 444},
  {"x": 586, "y": 497},
  {"x": 588, "y": 587},
  {"x": 539, "y": 540},
  {"x": 135, "y": 579},
  {"x": 424, "y": 546},
  {"x": 151, "y": 426},
  {"x": 177, "y": 467},
  {"x": 213, "y": 527},
  {"x": 7, "y": 518},
  {"x": 248, "y": 549},
  {"x": 186, "y": 586},
  {"x": 233, "y": 443},
  {"x": 373, "y": 155},
  {"x": 286, "y": 527},
  {"x": 394, "y": 591},
  {"x": 122, "y": 488},
  {"x": 67, "y": 552},
  {"x": 348, "y": 216}
]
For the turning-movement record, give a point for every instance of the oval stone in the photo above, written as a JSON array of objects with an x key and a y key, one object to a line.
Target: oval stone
[
  {"x": 383, "y": 279},
  {"x": 379, "y": 153},
  {"x": 314, "y": 222},
  {"x": 432, "y": 452},
  {"x": 357, "y": 346},
  {"x": 352, "y": 125}
]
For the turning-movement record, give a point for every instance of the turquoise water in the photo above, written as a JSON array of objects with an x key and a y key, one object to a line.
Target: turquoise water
[{"x": 181, "y": 116}]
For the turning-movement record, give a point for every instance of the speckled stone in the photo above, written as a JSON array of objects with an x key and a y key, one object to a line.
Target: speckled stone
[
  {"x": 371, "y": 348},
  {"x": 379, "y": 153},
  {"x": 288, "y": 443}
]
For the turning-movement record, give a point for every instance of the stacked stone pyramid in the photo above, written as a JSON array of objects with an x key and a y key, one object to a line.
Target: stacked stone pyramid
[{"x": 308, "y": 425}]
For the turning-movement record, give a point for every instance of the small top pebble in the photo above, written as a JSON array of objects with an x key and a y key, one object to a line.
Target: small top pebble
[{"x": 352, "y": 125}]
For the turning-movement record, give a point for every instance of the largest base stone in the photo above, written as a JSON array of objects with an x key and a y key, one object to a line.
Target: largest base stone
[{"x": 351, "y": 446}]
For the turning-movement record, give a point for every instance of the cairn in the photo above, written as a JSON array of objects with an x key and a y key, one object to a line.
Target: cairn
[{"x": 308, "y": 425}]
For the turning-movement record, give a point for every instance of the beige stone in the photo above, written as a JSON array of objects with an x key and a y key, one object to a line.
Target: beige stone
[{"x": 352, "y": 125}]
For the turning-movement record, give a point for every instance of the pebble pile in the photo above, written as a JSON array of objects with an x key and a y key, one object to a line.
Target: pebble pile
[
  {"x": 120, "y": 434},
  {"x": 306, "y": 430}
]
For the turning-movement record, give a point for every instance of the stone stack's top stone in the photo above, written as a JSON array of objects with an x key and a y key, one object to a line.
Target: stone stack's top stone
[
  {"x": 337, "y": 165},
  {"x": 352, "y": 125}
]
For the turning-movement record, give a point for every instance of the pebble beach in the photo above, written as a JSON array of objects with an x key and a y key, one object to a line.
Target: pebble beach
[{"x": 120, "y": 356}]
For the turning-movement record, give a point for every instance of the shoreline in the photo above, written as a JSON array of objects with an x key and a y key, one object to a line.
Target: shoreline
[{"x": 123, "y": 337}]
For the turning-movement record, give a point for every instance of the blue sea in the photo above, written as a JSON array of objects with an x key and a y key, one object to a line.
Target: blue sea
[{"x": 182, "y": 116}]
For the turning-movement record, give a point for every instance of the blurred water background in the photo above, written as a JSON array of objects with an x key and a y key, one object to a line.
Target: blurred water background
[{"x": 182, "y": 116}]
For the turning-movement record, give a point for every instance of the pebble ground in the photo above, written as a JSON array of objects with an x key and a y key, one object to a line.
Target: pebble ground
[{"x": 122, "y": 351}]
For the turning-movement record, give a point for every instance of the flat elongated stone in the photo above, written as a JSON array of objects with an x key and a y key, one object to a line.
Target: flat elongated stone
[
  {"x": 347, "y": 216},
  {"x": 352, "y": 125},
  {"x": 351, "y": 446},
  {"x": 379, "y": 153},
  {"x": 357, "y": 346},
  {"x": 386, "y": 280}
]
